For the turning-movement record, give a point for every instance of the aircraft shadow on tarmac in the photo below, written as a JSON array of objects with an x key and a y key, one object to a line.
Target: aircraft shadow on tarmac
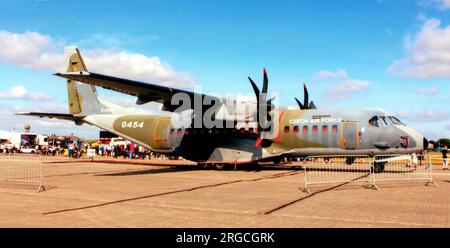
[{"x": 183, "y": 168}]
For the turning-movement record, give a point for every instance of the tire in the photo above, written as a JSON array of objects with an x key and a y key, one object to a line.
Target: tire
[
  {"x": 378, "y": 167},
  {"x": 220, "y": 166},
  {"x": 203, "y": 166}
]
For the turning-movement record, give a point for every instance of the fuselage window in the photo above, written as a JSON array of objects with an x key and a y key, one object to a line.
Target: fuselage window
[
  {"x": 305, "y": 129},
  {"x": 335, "y": 128},
  {"x": 295, "y": 129},
  {"x": 325, "y": 129},
  {"x": 286, "y": 129},
  {"x": 315, "y": 129}
]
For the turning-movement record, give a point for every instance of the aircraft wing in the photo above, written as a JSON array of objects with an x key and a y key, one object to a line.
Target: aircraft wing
[
  {"x": 144, "y": 91},
  {"x": 52, "y": 115}
]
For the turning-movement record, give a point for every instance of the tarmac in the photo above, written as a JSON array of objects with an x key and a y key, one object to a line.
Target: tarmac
[{"x": 175, "y": 193}]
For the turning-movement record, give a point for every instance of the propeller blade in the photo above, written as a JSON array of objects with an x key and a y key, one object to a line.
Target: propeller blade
[
  {"x": 270, "y": 100},
  {"x": 265, "y": 82},
  {"x": 306, "y": 99},
  {"x": 299, "y": 103},
  {"x": 255, "y": 88},
  {"x": 270, "y": 105}
]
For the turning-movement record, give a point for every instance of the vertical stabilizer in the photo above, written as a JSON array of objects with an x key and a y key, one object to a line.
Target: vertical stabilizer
[{"x": 83, "y": 99}]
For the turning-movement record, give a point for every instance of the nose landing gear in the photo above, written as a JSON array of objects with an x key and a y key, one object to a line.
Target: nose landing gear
[{"x": 378, "y": 167}]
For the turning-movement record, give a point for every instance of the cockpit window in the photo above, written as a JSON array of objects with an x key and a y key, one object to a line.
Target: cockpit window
[
  {"x": 384, "y": 121},
  {"x": 395, "y": 121},
  {"x": 374, "y": 121}
]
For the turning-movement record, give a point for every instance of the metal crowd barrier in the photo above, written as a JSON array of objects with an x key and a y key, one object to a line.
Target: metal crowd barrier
[
  {"x": 402, "y": 168},
  {"x": 336, "y": 170},
  {"x": 364, "y": 169},
  {"x": 22, "y": 168},
  {"x": 438, "y": 163}
]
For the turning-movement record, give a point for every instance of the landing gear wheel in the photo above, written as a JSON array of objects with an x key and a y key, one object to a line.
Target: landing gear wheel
[
  {"x": 277, "y": 161},
  {"x": 220, "y": 166},
  {"x": 203, "y": 166},
  {"x": 378, "y": 167},
  {"x": 350, "y": 160}
]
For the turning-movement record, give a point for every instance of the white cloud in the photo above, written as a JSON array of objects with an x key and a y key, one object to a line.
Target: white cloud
[
  {"x": 430, "y": 115},
  {"x": 19, "y": 92},
  {"x": 135, "y": 66},
  {"x": 430, "y": 91},
  {"x": 326, "y": 74},
  {"x": 342, "y": 86},
  {"x": 428, "y": 53},
  {"x": 30, "y": 49},
  {"x": 439, "y": 4},
  {"x": 43, "y": 53}
]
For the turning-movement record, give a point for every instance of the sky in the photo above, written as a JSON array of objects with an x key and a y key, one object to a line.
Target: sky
[{"x": 388, "y": 54}]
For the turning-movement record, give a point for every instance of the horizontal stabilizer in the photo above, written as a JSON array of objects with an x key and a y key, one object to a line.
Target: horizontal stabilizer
[{"x": 53, "y": 115}]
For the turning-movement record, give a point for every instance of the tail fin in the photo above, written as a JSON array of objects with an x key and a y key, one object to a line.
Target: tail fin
[{"x": 83, "y": 98}]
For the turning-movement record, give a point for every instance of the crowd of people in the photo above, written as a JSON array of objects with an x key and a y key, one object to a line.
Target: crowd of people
[
  {"x": 8, "y": 148},
  {"x": 128, "y": 150}
]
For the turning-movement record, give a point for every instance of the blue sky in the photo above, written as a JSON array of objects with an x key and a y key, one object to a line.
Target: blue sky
[{"x": 389, "y": 54}]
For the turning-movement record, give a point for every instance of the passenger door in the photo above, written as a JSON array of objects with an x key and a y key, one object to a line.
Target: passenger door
[{"x": 350, "y": 137}]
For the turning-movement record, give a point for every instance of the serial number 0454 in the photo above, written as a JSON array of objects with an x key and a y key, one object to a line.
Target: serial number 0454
[{"x": 132, "y": 124}]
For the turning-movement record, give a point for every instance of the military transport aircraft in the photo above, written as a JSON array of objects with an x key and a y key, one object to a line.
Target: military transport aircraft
[{"x": 244, "y": 130}]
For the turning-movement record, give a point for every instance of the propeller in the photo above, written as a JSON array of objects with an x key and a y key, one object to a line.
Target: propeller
[
  {"x": 263, "y": 105},
  {"x": 306, "y": 104}
]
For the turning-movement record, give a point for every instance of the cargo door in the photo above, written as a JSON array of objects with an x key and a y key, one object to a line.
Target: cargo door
[
  {"x": 350, "y": 138},
  {"x": 161, "y": 134}
]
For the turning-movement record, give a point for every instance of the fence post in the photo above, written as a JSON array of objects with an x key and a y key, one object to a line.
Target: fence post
[
  {"x": 305, "y": 189},
  {"x": 430, "y": 172},
  {"x": 41, "y": 176},
  {"x": 372, "y": 174}
]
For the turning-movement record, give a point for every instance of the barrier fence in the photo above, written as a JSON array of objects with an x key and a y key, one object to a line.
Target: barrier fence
[
  {"x": 366, "y": 170},
  {"x": 438, "y": 164},
  {"x": 21, "y": 168}
]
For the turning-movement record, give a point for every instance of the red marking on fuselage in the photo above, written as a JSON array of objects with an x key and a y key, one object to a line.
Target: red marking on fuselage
[{"x": 279, "y": 128}]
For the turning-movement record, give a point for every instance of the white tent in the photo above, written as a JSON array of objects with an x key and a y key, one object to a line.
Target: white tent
[{"x": 5, "y": 135}]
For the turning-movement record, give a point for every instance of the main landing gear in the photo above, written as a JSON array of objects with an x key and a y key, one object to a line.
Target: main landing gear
[
  {"x": 378, "y": 167},
  {"x": 217, "y": 166}
]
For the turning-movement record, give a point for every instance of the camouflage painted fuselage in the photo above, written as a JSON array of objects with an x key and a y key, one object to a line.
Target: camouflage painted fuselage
[{"x": 296, "y": 133}]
